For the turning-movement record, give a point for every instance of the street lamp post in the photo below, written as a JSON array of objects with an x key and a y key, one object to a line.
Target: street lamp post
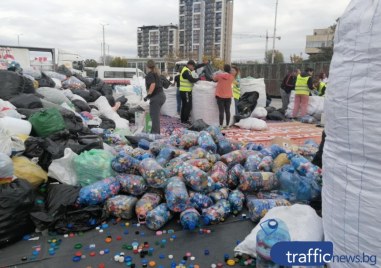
[
  {"x": 18, "y": 39},
  {"x": 104, "y": 44},
  {"x": 273, "y": 52}
]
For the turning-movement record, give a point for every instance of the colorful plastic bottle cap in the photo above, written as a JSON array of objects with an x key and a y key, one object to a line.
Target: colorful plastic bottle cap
[
  {"x": 192, "y": 258},
  {"x": 118, "y": 238},
  {"x": 83, "y": 257},
  {"x": 152, "y": 264},
  {"x": 101, "y": 265},
  {"x": 161, "y": 256},
  {"x": 92, "y": 254},
  {"x": 78, "y": 246},
  {"x": 78, "y": 253},
  {"x": 213, "y": 265},
  {"x": 107, "y": 251},
  {"x": 108, "y": 240},
  {"x": 121, "y": 259},
  {"x": 101, "y": 230},
  {"x": 92, "y": 246},
  {"x": 127, "y": 224},
  {"x": 76, "y": 259},
  {"x": 206, "y": 252},
  {"x": 230, "y": 262},
  {"x": 170, "y": 257},
  {"x": 158, "y": 233},
  {"x": 196, "y": 266},
  {"x": 116, "y": 258},
  {"x": 188, "y": 254},
  {"x": 101, "y": 252},
  {"x": 66, "y": 235},
  {"x": 24, "y": 258}
]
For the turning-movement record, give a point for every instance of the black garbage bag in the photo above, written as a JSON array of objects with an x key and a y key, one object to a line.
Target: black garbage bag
[
  {"x": 270, "y": 109},
  {"x": 33, "y": 147},
  {"x": 199, "y": 125},
  {"x": 318, "y": 158},
  {"x": 73, "y": 123},
  {"x": 12, "y": 84},
  {"x": 84, "y": 80},
  {"x": 208, "y": 72},
  {"x": 247, "y": 103},
  {"x": 134, "y": 140},
  {"x": 276, "y": 115},
  {"x": 28, "y": 112},
  {"x": 123, "y": 112},
  {"x": 54, "y": 146},
  {"x": 16, "y": 200},
  {"x": 81, "y": 106},
  {"x": 123, "y": 100},
  {"x": 130, "y": 116},
  {"x": 94, "y": 95},
  {"x": 45, "y": 81},
  {"x": 85, "y": 94},
  {"x": 26, "y": 101},
  {"x": 107, "y": 123},
  {"x": 62, "y": 69}
]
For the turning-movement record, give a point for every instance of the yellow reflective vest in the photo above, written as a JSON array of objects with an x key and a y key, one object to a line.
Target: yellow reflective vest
[
  {"x": 301, "y": 85},
  {"x": 321, "y": 86},
  {"x": 185, "y": 84},
  {"x": 236, "y": 89}
]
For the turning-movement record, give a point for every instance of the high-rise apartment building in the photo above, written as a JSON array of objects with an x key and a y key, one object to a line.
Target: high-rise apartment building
[
  {"x": 205, "y": 28},
  {"x": 157, "y": 41}
]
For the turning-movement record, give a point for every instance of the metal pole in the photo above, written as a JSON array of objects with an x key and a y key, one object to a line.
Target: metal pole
[
  {"x": 267, "y": 44},
  {"x": 104, "y": 46},
  {"x": 276, "y": 13}
]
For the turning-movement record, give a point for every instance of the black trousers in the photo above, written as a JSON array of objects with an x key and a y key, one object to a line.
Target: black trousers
[
  {"x": 224, "y": 106},
  {"x": 155, "y": 104},
  {"x": 186, "y": 105}
]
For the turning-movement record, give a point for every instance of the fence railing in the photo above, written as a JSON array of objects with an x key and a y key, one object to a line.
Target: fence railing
[{"x": 274, "y": 73}]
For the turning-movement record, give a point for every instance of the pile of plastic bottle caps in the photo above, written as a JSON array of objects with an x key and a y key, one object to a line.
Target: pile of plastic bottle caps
[{"x": 200, "y": 177}]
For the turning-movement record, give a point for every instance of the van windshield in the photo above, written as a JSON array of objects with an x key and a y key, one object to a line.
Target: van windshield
[{"x": 115, "y": 74}]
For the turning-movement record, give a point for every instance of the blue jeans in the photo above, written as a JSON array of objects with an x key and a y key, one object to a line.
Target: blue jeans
[{"x": 178, "y": 100}]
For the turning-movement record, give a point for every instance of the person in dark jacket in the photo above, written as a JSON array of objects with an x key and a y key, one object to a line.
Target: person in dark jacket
[
  {"x": 287, "y": 85},
  {"x": 155, "y": 94},
  {"x": 178, "y": 97}
]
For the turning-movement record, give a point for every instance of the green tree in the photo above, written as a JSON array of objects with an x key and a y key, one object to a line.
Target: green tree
[
  {"x": 278, "y": 58},
  {"x": 91, "y": 63},
  {"x": 296, "y": 59},
  {"x": 118, "y": 62}
]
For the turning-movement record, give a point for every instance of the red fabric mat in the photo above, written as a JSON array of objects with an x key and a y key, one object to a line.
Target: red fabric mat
[{"x": 296, "y": 131}]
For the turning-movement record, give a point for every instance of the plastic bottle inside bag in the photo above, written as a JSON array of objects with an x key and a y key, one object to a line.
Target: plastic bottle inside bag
[
  {"x": 158, "y": 217},
  {"x": 216, "y": 213},
  {"x": 190, "y": 219},
  {"x": 272, "y": 231}
]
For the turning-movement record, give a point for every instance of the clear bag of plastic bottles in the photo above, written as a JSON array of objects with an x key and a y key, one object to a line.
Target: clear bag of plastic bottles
[
  {"x": 202, "y": 164},
  {"x": 219, "y": 173},
  {"x": 277, "y": 194},
  {"x": 266, "y": 164},
  {"x": 121, "y": 206},
  {"x": 206, "y": 142},
  {"x": 201, "y": 153},
  {"x": 176, "y": 195},
  {"x": 253, "y": 161},
  {"x": 219, "y": 194},
  {"x": 223, "y": 145},
  {"x": 124, "y": 163},
  {"x": 132, "y": 184},
  {"x": 112, "y": 138},
  {"x": 156, "y": 146},
  {"x": 174, "y": 140},
  {"x": 273, "y": 151},
  {"x": 280, "y": 161},
  {"x": 216, "y": 213},
  {"x": 190, "y": 219},
  {"x": 200, "y": 201},
  {"x": 158, "y": 217},
  {"x": 98, "y": 192},
  {"x": 303, "y": 166},
  {"x": 236, "y": 199},
  {"x": 194, "y": 177},
  {"x": 147, "y": 202},
  {"x": 233, "y": 176},
  {"x": 254, "y": 147},
  {"x": 255, "y": 181},
  {"x": 215, "y": 132},
  {"x": 259, "y": 207},
  {"x": 165, "y": 155},
  {"x": 233, "y": 158},
  {"x": 154, "y": 174},
  {"x": 188, "y": 140}
]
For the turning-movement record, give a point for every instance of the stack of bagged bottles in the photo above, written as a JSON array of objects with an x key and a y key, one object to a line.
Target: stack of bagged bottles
[{"x": 200, "y": 177}]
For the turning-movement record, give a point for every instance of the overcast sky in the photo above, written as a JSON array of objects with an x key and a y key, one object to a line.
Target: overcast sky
[{"x": 76, "y": 24}]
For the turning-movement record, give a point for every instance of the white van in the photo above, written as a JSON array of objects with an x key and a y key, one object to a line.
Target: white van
[{"x": 117, "y": 75}]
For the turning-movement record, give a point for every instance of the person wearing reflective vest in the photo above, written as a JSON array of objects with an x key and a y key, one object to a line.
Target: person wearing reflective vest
[
  {"x": 236, "y": 86},
  {"x": 186, "y": 86},
  {"x": 321, "y": 88},
  {"x": 303, "y": 86}
]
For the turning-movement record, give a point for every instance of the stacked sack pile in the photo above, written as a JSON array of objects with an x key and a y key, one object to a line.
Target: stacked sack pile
[{"x": 95, "y": 172}]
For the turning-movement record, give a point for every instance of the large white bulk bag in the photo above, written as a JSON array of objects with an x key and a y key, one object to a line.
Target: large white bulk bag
[
  {"x": 250, "y": 84},
  {"x": 205, "y": 103},
  {"x": 351, "y": 159},
  {"x": 170, "y": 105},
  {"x": 315, "y": 105}
]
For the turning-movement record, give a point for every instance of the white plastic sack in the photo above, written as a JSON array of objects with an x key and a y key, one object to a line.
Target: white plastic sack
[
  {"x": 53, "y": 95},
  {"x": 5, "y": 142},
  {"x": 57, "y": 82},
  {"x": 170, "y": 105},
  {"x": 58, "y": 76},
  {"x": 259, "y": 112},
  {"x": 250, "y": 84},
  {"x": 252, "y": 123},
  {"x": 6, "y": 166},
  {"x": 315, "y": 105},
  {"x": 8, "y": 109},
  {"x": 351, "y": 160},
  {"x": 302, "y": 221},
  {"x": 106, "y": 110},
  {"x": 63, "y": 169},
  {"x": 133, "y": 93},
  {"x": 205, "y": 104},
  {"x": 15, "y": 126}
]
